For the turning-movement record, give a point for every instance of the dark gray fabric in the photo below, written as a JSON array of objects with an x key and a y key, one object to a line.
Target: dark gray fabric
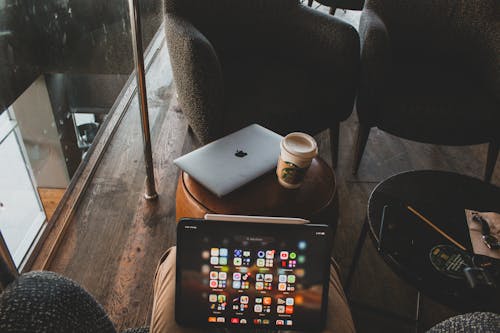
[
  {"x": 269, "y": 61},
  {"x": 48, "y": 302},
  {"x": 477, "y": 322},
  {"x": 431, "y": 69}
]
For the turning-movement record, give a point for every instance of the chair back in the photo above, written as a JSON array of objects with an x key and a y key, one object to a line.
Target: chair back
[
  {"x": 228, "y": 10},
  {"x": 448, "y": 29}
]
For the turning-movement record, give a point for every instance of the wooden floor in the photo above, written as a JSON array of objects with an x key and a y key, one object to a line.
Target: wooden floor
[
  {"x": 116, "y": 237},
  {"x": 50, "y": 198}
]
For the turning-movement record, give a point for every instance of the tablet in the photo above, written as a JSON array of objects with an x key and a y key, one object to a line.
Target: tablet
[{"x": 252, "y": 275}]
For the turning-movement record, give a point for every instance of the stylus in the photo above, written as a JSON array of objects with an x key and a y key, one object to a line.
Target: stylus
[{"x": 255, "y": 219}]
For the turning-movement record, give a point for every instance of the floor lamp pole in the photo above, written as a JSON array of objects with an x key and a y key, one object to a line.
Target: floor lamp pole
[{"x": 135, "y": 24}]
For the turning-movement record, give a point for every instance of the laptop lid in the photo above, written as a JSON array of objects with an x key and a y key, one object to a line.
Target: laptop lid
[
  {"x": 234, "y": 160},
  {"x": 252, "y": 275}
]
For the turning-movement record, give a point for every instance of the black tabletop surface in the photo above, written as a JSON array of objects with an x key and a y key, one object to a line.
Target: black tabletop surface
[{"x": 441, "y": 197}]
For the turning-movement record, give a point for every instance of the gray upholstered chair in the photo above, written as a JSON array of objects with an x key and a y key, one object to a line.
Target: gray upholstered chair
[
  {"x": 430, "y": 72},
  {"x": 48, "y": 302},
  {"x": 475, "y": 322},
  {"x": 273, "y": 62}
]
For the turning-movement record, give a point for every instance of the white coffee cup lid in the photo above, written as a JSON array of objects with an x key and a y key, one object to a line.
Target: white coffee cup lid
[{"x": 300, "y": 144}]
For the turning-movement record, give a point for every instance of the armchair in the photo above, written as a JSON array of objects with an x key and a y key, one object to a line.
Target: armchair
[
  {"x": 430, "y": 72},
  {"x": 274, "y": 62},
  {"x": 47, "y": 302}
]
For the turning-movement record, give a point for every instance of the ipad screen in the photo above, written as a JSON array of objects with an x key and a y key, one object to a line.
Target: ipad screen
[{"x": 252, "y": 275}]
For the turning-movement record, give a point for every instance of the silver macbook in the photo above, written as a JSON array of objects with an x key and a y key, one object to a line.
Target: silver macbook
[{"x": 234, "y": 160}]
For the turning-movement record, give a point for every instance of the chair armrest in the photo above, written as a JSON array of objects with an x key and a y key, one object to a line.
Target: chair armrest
[
  {"x": 325, "y": 41},
  {"x": 376, "y": 60},
  {"x": 198, "y": 77},
  {"x": 489, "y": 62}
]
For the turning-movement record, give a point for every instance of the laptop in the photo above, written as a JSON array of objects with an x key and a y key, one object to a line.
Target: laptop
[
  {"x": 234, "y": 160},
  {"x": 252, "y": 275}
]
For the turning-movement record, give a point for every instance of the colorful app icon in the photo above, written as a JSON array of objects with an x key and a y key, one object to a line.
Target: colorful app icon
[
  {"x": 280, "y": 322},
  {"x": 221, "y": 319},
  {"x": 257, "y": 308},
  {"x": 236, "y": 276},
  {"x": 259, "y": 277},
  {"x": 289, "y": 309},
  {"x": 235, "y": 320},
  {"x": 238, "y": 253},
  {"x": 237, "y": 261},
  {"x": 259, "y": 285},
  {"x": 267, "y": 300},
  {"x": 244, "y": 299},
  {"x": 289, "y": 323},
  {"x": 284, "y": 255},
  {"x": 243, "y": 321},
  {"x": 281, "y": 301},
  {"x": 269, "y": 262},
  {"x": 221, "y": 298},
  {"x": 246, "y": 261},
  {"x": 270, "y": 254},
  {"x": 261, "y": 254},
  {"x": 292, "y": 263},
  {"x": 236, "y": 284},
  {"x": 257, "y": 321},
  {"x": 222, "y": 275},
  {"x": 214, "y": 260},
  {"x": 280, "y": 309},
  {"x": 291, "y": 278},
  {"x": 258, "y": 300},
  {"x": 289, "y": 301},
  {"x": 212, "y": 298},
  {"x": 212, "y": 319},
  {"x": 214, "y": 275},
  {"x": 261, "y": 262},
  {"x": 223, "y": 252},
  {"x": 214, "y": 252},
  {"x": 223, "y": 261},
  {"x": 213, "y": 283},
  {"x": 292, "y": 255},
  {"x": 282, "y": 278},
  {"x": 268, "y": 278},
  {"x": 246, "y": 253},
  {"x": 245, "y": 285},
  {"x": 282, "y": 286},
  {"x": 265, "y": 321}
]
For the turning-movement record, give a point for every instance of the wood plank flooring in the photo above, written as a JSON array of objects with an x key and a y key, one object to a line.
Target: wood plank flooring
[
  {"x": 116, "y": 237},
  {"x": 50, "y": 199}
]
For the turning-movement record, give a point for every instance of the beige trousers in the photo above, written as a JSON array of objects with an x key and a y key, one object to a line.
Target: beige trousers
[{"x": 339, "y": 318}]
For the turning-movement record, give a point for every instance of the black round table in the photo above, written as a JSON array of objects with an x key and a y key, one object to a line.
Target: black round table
[{"x": 441, "y": 197}]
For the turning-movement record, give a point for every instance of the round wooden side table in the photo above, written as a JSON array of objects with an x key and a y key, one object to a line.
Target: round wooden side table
[{"x": 315, "y": 200}]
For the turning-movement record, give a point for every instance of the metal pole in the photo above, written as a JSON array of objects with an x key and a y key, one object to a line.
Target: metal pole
[{"x": 135, "y": 24}]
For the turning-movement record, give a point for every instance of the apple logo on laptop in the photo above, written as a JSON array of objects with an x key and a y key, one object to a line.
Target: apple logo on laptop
[{"x": 240, "y": 153}]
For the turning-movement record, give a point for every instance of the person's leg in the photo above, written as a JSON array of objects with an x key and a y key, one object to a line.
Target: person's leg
[
  {"x": 338, "y": 318},
  {"x": 163, "y": 316}
]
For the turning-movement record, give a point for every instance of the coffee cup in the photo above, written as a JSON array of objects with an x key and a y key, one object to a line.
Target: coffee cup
[{"x": 297, "y": 152}]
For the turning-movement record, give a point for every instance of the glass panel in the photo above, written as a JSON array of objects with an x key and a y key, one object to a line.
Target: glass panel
[
  {"x": 21, "y": 215},
  {"x": 63, "y": 64}
]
